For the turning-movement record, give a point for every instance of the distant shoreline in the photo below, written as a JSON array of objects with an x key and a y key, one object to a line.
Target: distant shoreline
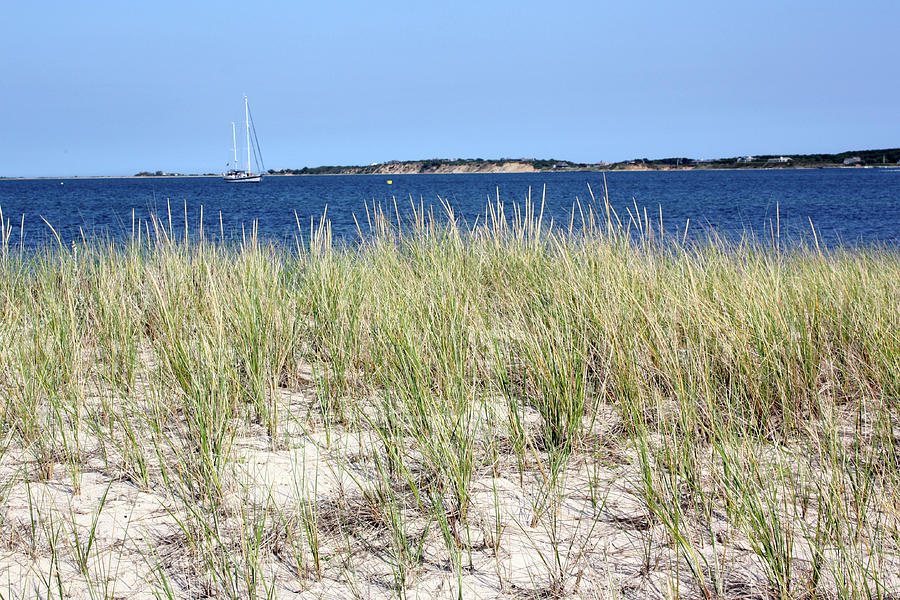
[
  {"x": 632, "y": 170},
  {"x": 629, "y": 170},
  {"x": 501, "y": 166},
  {"x": 72, "y": 177}
]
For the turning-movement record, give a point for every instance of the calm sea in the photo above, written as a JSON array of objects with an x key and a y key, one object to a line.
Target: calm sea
[{"x": 846, "y": 206}]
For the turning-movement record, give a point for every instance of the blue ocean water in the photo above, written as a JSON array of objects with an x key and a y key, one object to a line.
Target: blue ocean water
[{"x": 846, "y": 206}]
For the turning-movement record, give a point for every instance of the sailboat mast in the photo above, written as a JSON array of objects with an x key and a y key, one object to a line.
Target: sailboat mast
[
  {"x": 234, "y": 144},
  {"x": 247, "y": 116}
]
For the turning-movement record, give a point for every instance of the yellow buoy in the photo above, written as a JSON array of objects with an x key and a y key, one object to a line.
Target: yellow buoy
[{"x": 389, "y": 182}]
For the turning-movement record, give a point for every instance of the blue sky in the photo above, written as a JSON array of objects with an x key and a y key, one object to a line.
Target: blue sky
[{"x": 113, "y": 88}]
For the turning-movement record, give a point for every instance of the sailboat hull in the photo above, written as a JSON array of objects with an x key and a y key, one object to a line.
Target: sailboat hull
[{"x": 242, "y": 178}]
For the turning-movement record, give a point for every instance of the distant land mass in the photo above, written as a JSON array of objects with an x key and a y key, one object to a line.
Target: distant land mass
[
  {"x": 854, "y": 158},
  {"x": 885, "y": 157}
]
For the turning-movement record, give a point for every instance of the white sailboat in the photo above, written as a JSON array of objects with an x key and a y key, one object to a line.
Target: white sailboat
[{"x": 235, "y": 173}]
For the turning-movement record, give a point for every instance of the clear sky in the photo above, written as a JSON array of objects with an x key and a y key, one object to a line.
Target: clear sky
[{"x": 93, "y": 88}]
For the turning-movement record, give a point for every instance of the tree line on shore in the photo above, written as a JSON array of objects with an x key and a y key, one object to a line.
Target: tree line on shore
[{"x": 879, "y": 157}]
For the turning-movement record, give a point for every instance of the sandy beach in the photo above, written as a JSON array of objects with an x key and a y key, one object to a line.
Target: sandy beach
[{"x": 509, "y": 413}]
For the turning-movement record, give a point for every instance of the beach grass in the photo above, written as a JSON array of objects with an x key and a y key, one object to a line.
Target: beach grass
[{"x": 507, "y": 408}]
